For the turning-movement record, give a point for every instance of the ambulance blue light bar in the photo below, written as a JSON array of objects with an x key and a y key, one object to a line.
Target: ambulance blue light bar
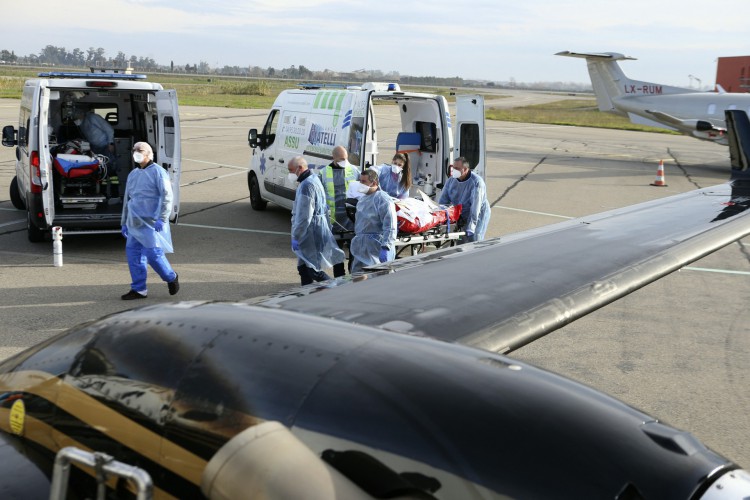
[
  {"x": 382, "y": 86},
  {"x": 107, "y": 76}
]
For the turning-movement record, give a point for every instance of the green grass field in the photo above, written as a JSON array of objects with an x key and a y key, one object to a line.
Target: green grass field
[
  {"x": 250, "y": 93},
  {"x": 577, "y": 112}
]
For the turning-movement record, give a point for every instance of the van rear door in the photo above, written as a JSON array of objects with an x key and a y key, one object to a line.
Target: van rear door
[
  {"x": 170, "y": 153},
  {"x": 363, "y": 134},
  {"x": 469, "y": 131},
  {"x": 45, "y": 156}
]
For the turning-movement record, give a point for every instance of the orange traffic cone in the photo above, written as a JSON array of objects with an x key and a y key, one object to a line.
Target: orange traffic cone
[{"x": 660, "y": 176}]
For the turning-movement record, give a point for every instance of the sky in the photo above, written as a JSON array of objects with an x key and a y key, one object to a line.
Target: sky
[{"x": 676, "y": 42}]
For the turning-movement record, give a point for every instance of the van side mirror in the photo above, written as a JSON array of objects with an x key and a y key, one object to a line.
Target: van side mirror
[
  {"x": 9, "y": 136},
  {"x": 252, "y": 138}
]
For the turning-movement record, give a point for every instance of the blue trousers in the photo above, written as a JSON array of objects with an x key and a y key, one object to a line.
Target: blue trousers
[{"x": 138, "y": 256}]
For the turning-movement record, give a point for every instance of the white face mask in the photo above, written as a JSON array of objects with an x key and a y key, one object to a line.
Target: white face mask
[
  {"x": 455, "y": 173},
  {"x": 78, "y": 122},
  {"x": 138, "y": 157},
  {"x": 341, "y": 163},
  {"x": 396, "y": 169},
  {"x": 362, "y": 188},
  {"x": 292, "y": 177}
]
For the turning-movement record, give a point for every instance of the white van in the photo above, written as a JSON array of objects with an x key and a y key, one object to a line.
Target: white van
[
  {"x": 313, "y": 120},
  {"x": 59, "y": 180}
]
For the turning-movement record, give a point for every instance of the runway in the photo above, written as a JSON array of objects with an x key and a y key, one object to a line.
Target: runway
[{"x": 678, "y": 349}]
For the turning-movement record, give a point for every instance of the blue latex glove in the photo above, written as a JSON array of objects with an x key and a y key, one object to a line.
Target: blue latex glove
[
  {"x": 383, "y": 255},
  {"x": 158, "y": 225},
  {"x": 124, "y": 231},
  {"x": 470, "y": 234},
  {"x": 295, "y": 245}
]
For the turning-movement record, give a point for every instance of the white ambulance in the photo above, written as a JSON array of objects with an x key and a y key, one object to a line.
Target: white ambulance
[
  {"x": 313, "y": 120},
  {"x": 60, "y": 180}
]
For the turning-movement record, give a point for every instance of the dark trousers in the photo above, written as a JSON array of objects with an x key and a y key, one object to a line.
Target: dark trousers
[
  {"x": 308, "y": 275},
  {"x": 338, "y": 269},
  {"x": 465, "y": 238}
]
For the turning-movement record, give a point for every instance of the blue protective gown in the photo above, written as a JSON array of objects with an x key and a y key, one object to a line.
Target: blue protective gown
[
  {"x": 99, "y": 134},
  {"x": 390, "y": 182},
  {"x": 311, "y": 226},
  {"x": 374, "y": 228},
  {"x": 148, "y": 196},
  {"x": 471, "y": 193},
  {"x": 97, "y": 131}
]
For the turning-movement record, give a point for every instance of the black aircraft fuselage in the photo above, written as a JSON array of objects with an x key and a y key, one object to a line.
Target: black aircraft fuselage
[{"x": 164, "y": 387}]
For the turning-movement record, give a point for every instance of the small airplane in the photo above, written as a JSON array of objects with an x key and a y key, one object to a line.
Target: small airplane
[
  {"x": 367, "y": 387},
  {"x": 689, "y": 111}
]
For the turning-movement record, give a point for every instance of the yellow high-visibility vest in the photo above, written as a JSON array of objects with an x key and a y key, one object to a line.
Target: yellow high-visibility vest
[{"x": 326, "y": 177}]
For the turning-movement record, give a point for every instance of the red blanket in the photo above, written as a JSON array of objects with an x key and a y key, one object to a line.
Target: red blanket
[{"x": 415, "y": 216}]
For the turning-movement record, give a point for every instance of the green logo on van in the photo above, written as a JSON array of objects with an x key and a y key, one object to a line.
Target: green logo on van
[{"x": 331, "y": 99}]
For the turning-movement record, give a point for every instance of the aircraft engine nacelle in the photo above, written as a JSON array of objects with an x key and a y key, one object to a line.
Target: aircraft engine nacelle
[
  {"x": 267, "y": 461},
  {"x": 704, "y": 126}
]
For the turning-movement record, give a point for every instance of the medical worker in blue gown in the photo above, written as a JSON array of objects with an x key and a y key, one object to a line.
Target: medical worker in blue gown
[
  {"x": 312, "y": 239},
  {"x": 467, "y": 189},
  {"x": 374, "y": 226},
  {"x": 395, "y": 177},
  {"x": 145, "y": 223}
]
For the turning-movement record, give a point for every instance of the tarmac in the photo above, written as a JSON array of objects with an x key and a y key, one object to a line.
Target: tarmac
[{"x": 678, "y": 349}]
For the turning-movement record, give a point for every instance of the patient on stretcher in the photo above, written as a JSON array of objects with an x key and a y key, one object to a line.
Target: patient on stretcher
[{"x": 415, "y": 216}]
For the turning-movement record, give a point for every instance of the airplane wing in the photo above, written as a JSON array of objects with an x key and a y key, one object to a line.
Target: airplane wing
[
  {"x": 527, "y": 285},
  {"x": 702, "y": 129},
  {"x": 665, "y": 117},
  {"x": 689, "y": 125}
]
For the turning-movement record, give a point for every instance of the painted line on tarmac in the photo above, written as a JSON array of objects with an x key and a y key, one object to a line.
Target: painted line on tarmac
[
  {"x": 19, "y": 221},
  {"x": 533, "y": 212},
  {"x": 54, "y": 304},
  {"x": 720, "y": 271},
  {"x": 217, "y": 164},
  {"x": 208, "y": 179},
  {"x": 201, "y": 226}
]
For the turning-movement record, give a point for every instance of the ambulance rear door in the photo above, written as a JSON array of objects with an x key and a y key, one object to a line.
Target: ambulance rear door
[
  {"x": 363, "y": 133},
  {"x": 169, "y": 154},
  {"x": 45, "y": 155},
  {"x": 469, "y": 140}
]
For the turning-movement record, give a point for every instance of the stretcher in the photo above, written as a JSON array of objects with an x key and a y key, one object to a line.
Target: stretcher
[
  {"x": 78, "y": 178},
  {"x": 72, "y": 166},
  {"x": 420, "y": 224},
  {"x": 443, "y": 235}
]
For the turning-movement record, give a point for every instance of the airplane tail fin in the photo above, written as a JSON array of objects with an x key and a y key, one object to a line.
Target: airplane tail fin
[{"x": 610, "y": 82}]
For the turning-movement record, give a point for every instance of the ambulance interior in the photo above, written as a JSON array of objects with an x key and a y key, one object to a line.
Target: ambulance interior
[
  {"x": 83, "y": 180},
  {"x": 412, "y": 126}
]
